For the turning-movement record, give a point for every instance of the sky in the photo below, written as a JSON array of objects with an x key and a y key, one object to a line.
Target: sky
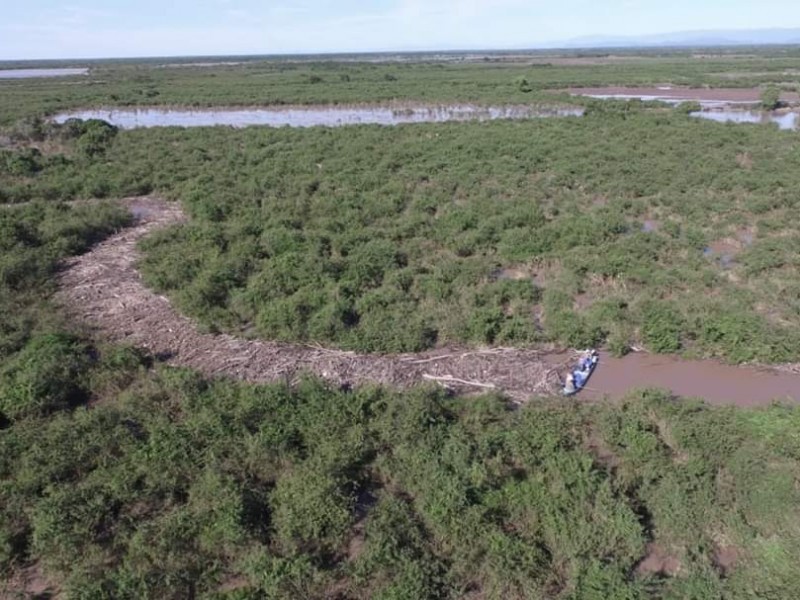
[{"x": 36, "y": 29}]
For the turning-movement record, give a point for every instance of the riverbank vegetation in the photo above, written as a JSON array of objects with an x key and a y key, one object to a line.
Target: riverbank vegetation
[
  {"x": 624, "y": 227},
  {"x": 123, "y": 478},
  {"x": 182, "y": 487}
]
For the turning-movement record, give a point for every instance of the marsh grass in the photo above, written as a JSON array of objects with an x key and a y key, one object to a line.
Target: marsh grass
[
  {"x": 182, "y": 485},
  {"x": 391, "y": 239},
  {"x": 120, "y": 478}
]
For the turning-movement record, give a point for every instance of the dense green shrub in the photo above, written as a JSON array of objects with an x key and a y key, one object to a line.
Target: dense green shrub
[
  {"x": 184, "y": 486},
  {"x": 522, "y": 84},
  {"x": 95, "y": 138},
  {"x": 45, "y": 376},
  {"x": 166, "y": 485},
  {"x": 23, "y": 163},
  {"x": 662, "y": 327},
  {"x": 688, "y": 107},
  {"x": 310, "y": 511},
  {"x": 384, "y": 239},
  {"x": 771, "y": 98}
]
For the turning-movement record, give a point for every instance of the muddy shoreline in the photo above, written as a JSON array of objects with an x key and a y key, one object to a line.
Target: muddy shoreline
[{"x": 104, "y": 290}]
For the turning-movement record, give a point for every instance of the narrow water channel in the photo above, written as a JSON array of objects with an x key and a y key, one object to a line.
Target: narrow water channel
[{"x": 714, "y": 382}]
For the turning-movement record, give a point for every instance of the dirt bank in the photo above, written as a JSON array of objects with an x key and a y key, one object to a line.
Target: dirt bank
[{"x": 103, "y": 289}]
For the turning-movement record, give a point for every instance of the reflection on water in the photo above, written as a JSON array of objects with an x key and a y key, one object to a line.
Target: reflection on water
[
  {"x": 666, "y": 99},
  {"x": 714, "y": 382},
  {"x": 787, "y": 121},
  {"x": 30, "y": 73},
  {"x": 333, "y": 116}
]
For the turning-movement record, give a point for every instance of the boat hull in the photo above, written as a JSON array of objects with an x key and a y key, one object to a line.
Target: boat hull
[{"x": 587, "y": 374}]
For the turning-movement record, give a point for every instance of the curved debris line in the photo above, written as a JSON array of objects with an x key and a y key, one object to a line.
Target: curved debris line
[{"x": 104, "y": 289}]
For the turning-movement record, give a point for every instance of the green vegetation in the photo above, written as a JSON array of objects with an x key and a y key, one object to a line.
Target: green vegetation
[
  {"x": 122, "y": 478},
  {"x": 184, "y": 487},
  {"x": 399, "y": 239},
  {"x": 422, "y": 78},
  {"x": 771, "y": 98}
]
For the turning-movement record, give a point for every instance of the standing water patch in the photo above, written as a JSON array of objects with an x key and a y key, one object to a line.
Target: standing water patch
[
  {"x": 33, "y": 73},
  {"x": 787, "y": 121},
  {"x": 329, "y": 116}
]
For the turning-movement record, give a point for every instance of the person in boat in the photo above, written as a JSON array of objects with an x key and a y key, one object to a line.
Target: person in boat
[
  {"x": 579, "y": 378},
  {"x": 569, "y": 386}
]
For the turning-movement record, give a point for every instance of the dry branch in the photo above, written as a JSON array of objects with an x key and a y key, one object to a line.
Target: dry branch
[
  {"x": 104, "y": 288},
  {"x": 451, "y": 379}
]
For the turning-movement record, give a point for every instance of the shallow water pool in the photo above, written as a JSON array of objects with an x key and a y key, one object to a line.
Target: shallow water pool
[{"x": 313, "y": 116}]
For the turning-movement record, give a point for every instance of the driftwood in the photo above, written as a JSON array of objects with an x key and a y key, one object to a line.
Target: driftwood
[
  {"x": 451, "y": 379},
  {"x": 103, "y": 289}
]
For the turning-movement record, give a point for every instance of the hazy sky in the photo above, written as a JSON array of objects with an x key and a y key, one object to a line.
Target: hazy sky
[{"x": 99, "y": 28}]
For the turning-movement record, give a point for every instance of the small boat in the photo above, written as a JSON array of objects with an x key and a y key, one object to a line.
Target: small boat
[{"x": 579, "y": 376}]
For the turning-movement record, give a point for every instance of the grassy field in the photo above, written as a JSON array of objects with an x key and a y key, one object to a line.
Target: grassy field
[{"x": 122, "y": 478}]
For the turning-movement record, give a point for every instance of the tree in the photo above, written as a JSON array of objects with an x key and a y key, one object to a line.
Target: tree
[
  {"x": 96, "y": 137},
  {"x": 523, "y": 84},
  {"x": 771, "y": 98}
]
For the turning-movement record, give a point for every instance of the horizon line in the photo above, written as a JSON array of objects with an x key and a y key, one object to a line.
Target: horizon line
[{"x": 554, "y": 47}]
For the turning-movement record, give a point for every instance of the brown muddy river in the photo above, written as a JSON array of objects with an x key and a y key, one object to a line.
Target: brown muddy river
[
  {"x": 712, "y": 381},
  {"x": 313, "y": 116}
]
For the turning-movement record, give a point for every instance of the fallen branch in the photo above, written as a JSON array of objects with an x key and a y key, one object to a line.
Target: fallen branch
[
  {"x": 330, "y": 351},
  {"x": 411, "y": 361},
  {"x": 451, "y": 379}
]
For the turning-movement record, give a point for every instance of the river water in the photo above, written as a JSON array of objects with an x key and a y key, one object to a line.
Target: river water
[
  {"x": 714, "y": 382},
  {"x": 312, "y": 116},
  {"x": 787, "y": 121},
  {"x": 32, "y": 73}
]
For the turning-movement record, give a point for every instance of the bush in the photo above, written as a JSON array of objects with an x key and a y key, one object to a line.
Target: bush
[
  {"x": 686, "y": 108},
  {"x": 771, "y": 98},
  {"x": 310, "y": 511},
  {"x": 47, "y": 375},
  {"x": 662, "y": 327},
  {"x": 95, "y": 138},
  {"x": 523, "y": 85},
  {"x": 22, "y": 163},
  {"x": 619, "y": 341}
]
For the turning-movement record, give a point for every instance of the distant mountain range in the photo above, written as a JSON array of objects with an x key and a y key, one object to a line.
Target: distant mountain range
[{"x": 720, "y": 37}]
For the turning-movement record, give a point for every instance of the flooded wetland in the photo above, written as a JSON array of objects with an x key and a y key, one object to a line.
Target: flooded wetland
[
  {"x": 616, "y": 377},
  {"x": 300, "y": 327},
  {"x": 310, "y": 116}
]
